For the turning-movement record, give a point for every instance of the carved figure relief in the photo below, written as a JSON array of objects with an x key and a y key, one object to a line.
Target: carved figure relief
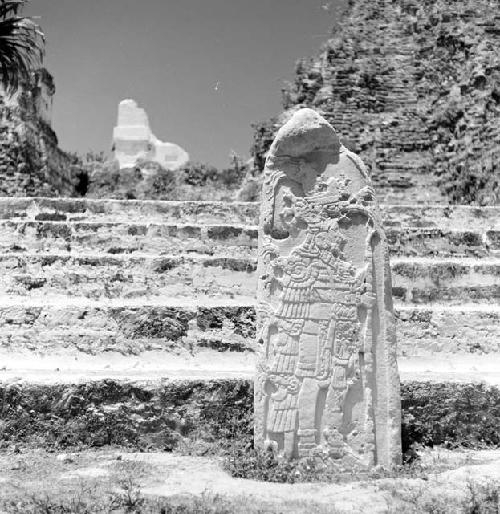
[{"x": 327, "y": 379}]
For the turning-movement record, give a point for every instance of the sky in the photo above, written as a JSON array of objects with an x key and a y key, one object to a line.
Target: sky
[{"x": 204, "y": 70}]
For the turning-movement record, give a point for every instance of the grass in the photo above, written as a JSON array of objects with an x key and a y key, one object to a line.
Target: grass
[
  {"x": 38, "y": 482},
  {"x": 476, "y": 498},
  {"x": 245, "y": 461},
  {"x": 91, "y": 502},
  {"x": 38, "y": 491}
]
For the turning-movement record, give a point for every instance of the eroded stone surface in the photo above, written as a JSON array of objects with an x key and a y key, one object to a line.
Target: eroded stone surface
[
  {"x": 133, "y": 140},
  {"x": 431, "y": 134},
  {"x": 31, "y": 162},
  {"x": 327, "y": 377}
]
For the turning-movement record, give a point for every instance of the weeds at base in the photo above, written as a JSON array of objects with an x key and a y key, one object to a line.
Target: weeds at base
[
  {"x": 477, "y": 498},
  {"x": 245, "y": 461}
]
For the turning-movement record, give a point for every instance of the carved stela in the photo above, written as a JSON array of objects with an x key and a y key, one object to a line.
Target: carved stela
[{"x": 327, "y": 381}]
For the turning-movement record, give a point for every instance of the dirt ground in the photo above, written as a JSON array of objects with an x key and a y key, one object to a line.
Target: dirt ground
[{"x": 35, "y": 481}]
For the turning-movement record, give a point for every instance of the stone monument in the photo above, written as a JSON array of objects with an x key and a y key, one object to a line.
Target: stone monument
[
  {"x": 134, "y": 141},
  {"x": 327, "y": 381}
]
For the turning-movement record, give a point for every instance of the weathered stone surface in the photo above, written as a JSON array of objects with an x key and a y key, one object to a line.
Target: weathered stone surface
[
  {"x": 87, "y": 253},
  {"x": 31, "y": 162},
  {"x": 327, "y": 378},
  {"x": 120, "y": 276},
  {"x": 413, "y": 88},
  {"x": 134, "y": 141},
  {"x": 424, "y": 242},
  {"x": 458, "y": 331},
  {"x": 483, "y": 221},
  {"x": 450, "y": 281},
  {"x": 137, "y": 211},
  {"x": 127, "y": 238},
  {"x": 74, "y": 328},
  {"x": 81, "y": 326},
  {"x": 125, "y": 271}
]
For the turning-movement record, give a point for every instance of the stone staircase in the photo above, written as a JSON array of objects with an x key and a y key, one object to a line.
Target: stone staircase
[
  {"x": 133, "y": 322},
  {"x": 95, "y": 289}
]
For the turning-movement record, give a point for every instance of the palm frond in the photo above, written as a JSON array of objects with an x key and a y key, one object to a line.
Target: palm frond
[
  {"x": 10, "y": 7},
  {"x": 22, "y": 45}
]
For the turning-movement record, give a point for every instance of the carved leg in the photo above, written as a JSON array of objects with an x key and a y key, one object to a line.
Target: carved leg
[
  {"x": 289, "y": 446},
  {"x": 269, "y": 444},
  {"x": 307, "y": 416},
  {"x": 332, "y": 437}
]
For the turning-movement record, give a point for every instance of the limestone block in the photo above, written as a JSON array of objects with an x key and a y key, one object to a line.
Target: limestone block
[
  {"x": 327, "y": 381},
  {"x": 133, "y": 140}
]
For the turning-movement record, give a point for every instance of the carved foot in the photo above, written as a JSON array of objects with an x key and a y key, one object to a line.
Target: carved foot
[{"x": 271, "y": 445}]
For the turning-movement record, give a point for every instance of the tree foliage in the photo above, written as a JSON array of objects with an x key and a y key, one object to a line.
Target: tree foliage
[{"x": 22, "y": 44}]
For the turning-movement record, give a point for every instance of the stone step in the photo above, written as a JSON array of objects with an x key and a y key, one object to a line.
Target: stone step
[
  {"x": 417, "y": 280},
  {"x": 123, "y": 211},
  {"x": 215, "y": 227},
  {"x": 154, "y": 367},
  {"x": 446, "y": 217},
  {"x": 244, "y": 213},
  {"x": 125, "y": 276},
  {"x": 466, "y": 329},
  {"x": 133, "y": 327},
  {"x": 115, "y": 238},
  {"x": 450, "y": 280},
  {"x": 126, "y": 326},
  {"x": 442, "y": 242},
  {"x": 150, "y": 367}
]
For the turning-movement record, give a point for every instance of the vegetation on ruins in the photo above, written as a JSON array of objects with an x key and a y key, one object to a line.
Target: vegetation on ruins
[
  {"x": 216, "y": 418},
  {"x": 414, "y": 88},
  {"x": 148, "y": 180},
  {"x": 21, "y": 45}
]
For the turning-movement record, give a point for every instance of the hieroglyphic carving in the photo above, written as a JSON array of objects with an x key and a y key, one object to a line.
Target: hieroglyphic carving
[{"x": 327, "y": 379}]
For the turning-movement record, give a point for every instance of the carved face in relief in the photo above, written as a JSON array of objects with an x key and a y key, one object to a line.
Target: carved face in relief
[
  {"x": 292, "y": 217},
  {"x": 296, "y": 267},
  {"x": 323, "y": 241},
  {"x": 330, "y": 241},
  {"x": 287, "y": 214}
]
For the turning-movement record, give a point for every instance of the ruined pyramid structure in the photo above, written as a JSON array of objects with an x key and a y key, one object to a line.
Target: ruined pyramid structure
[{"x": 413, "y": 87}]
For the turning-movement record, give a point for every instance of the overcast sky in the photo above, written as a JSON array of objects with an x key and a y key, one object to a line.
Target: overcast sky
[{"x": 204, "y": 70}]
